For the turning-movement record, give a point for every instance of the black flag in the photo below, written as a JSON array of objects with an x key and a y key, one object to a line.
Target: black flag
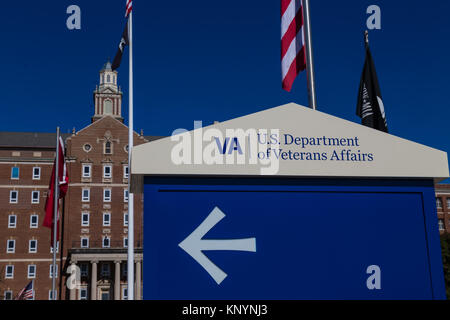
[
  {"x": 370, "y": 107},
  {"x": 123, "y": 42}
]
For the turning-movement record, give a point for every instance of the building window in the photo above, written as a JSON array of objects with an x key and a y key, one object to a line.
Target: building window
[
  {"x": 50, "y": 294},
  {"x": 439, "y": 203},
  {"x": 106, "y": 219},
  {"x": 104, "y": 294},
  {"x": 125, "y": 195},
  {"x": 34, "y": 221},
  {"x": 85, "y": 219},
  {"x": 15, "y": 173},
  {"x": 106, "y": 195},
  {"x": 51, "y": 271},
  {"x": 125, "y": 293},
  {"x": 441, "y": 225},
  {"x": 83, "y": 294},
  {"x": 448, "y": 204},
  {"x": 86, "y": 170},
  {"x": 36, "y": 173},
  {"x": 9, "y": 272},
  {"x": 7, "y": 295},
  {"x": 125, "y": 242},
  {"x": 125, "y": 219},
  {"x": 35, "y": 197},
  {"x": 57, "y": 247},
  {"x": 108, "y": 107},
  {"x": 106, "y": 242},
  {"x": 85, "y": 242},
  {"x": 108, "y": 78},
  {"x": 12, "y": 221},
  {"x": 32, "y": 246},
  {"x": 108, "y": 147},
  {"x": 31, "y": 271},
  {"x": 125, "y": 172},
  {"x": 85, "y": 195},
  {"x": 105, "y": 270},
  {"x": 107, "y": 171},
  {"x": 11, "y": 246},
  {"x": 84, "y": 269},
  {"x": 87, "y": 147},
  {"x": 13, "y": 196}
]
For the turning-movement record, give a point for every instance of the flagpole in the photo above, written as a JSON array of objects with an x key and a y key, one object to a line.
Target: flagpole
[
  {"x": 55, "y": 213},
  {"x": 309, "y": 58},
  {"x": 130, "y": 261}
]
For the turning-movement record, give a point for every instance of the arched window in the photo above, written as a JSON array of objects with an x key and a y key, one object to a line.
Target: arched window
[
  {"x": 108, "y": 147},
  {"x": 108, "y": 105},
  {"x": 108, "y": 78}
]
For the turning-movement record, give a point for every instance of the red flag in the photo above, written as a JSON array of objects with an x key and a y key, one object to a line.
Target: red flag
[
  {"x": 293, "y": 55},
  {"x": 63, "y": 178}
]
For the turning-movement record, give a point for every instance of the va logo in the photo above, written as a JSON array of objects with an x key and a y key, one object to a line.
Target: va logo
[{"x": 232, "y": 146}]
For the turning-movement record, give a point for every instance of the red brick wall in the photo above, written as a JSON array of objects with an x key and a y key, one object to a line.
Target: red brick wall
[{"x": 73, "y": 206}]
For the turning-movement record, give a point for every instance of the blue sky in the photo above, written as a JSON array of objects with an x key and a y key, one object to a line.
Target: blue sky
[{"x": 217, "y": 60}]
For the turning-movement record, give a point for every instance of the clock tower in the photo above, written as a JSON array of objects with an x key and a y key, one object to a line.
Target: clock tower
[{"x": 107, "y": 95}]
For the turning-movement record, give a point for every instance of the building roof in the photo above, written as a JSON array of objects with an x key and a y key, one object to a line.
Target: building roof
[
  {"x": 107, "y": 66},
  {"x": 29, "y": 139},
  {"x": 442, "y": 187},
  {"x": 153, "y": 138},
  {"x": 38, "y": 139}
]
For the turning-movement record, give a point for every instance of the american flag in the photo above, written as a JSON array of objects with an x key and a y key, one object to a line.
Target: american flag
[
  {"x": 129, "y": 8},
  {"x": 293, "y": 53},
  {"x": 26, "y": 293}
]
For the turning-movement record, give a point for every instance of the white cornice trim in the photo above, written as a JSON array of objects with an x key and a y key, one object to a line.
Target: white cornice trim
[
  {"x": 28, "y": 260},
  {"x": 44, "y": 162},
  {"x": 18, "y": 186},
  {"x": 98, "y": 185}
]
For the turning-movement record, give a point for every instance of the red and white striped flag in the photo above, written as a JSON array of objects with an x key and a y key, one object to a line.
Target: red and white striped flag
[
  {"x": 129, "y": 8},
  {"x": 26, "y": 293},
  {"x": 293, "y": 53}
]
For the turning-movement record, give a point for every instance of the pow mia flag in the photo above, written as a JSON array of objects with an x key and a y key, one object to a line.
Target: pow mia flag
[
  {"x": 123, "y": 42},
  {"x": 370, "y": 107}
]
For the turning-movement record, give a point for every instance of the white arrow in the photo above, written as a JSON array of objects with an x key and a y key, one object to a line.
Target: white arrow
[{"x": 194, "y": 245}]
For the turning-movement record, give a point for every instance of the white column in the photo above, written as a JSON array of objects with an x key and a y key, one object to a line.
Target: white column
[
  {"x": 117, "y": 280},
  {"x": 138, "y": 280},
  {"x": 94, "y": 280}
]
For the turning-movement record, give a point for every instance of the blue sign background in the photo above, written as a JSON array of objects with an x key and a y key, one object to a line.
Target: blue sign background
[{"x": 314, "y": 239}]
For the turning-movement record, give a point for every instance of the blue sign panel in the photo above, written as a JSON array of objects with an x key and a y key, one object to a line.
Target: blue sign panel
[{"x": 294, "y": 239}]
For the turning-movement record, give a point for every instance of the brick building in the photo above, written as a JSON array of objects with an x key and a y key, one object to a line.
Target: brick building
[
  {"x": 443, "y": 206},
  {"x": 95, "y": 210}
]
